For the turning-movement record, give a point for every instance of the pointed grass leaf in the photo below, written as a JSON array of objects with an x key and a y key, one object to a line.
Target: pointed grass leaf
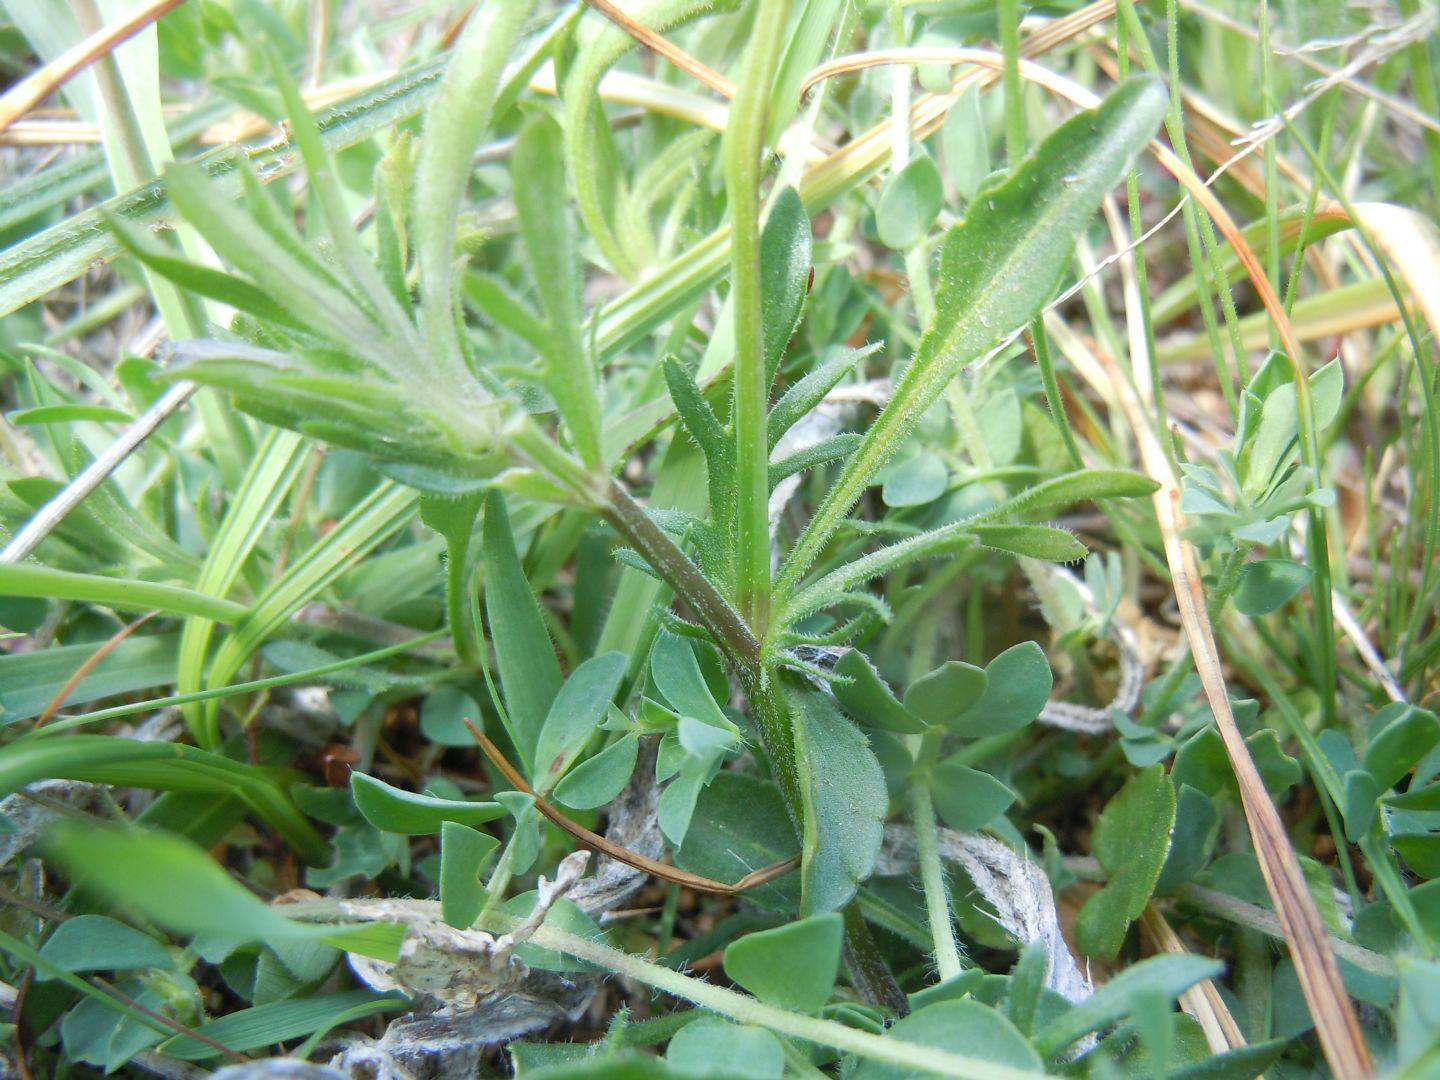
[
  {"x": 529, "y": 673},
  {"x": 784, "y": 273},
  {"x": 1170, "y": 975},
  {"x": 1131, "y": 841},
  {"x": 909, "y": 203},
  {"x": 172, "y": 883},
  {"x": 280, "y": 1021},
  {"x": 390, "y": 809},
  {"x": 792, "y": 966},
  {"x": 868, "y": 700},
  {"x": 1017, "y": 686},
  {"x": 944, "y": 695},
  {"x": 575, "y": 715},
  {"x": 966, "y": 799},
  {"x": 843, "y": 791},
  {"x": 595, "y": 782},
  {"x": 463, "y": 854},
  {"x": 100, "y": 943},
  {"x": 963, "y": 1027},
  {"x": 1031, "y": 541},
  {"x": 1267, "y": 585},
  {"x": 103, "y": 759}
]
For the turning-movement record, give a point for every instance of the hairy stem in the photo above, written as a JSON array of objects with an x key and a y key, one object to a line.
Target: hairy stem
[{"x": 744, "y": 138}]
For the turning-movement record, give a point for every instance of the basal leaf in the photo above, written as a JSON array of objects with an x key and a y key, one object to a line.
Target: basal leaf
[
  {"x": 463, "y": 854},
  {"x": 843, "y": 790}
]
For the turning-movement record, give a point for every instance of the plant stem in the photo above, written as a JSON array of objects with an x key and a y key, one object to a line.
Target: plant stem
[
  {"x": 744, "y": 139},
  {"x": 682, "y": 575},
  {"x": 746, "y": 1010},
  {"x": 932, "y": 878}
]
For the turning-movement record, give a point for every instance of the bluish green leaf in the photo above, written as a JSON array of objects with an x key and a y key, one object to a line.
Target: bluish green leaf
[
  {"x": 942, "y": 696},
  {"x": 281, "y": 1021},
  {"x": 99, "y": 943},
  {"x": 962, "y": 1027},
  {"x": 676, "y": 674},
  {"x": 966, "y": 144},
  {"x": 711, "y": 1046},
  {"x": 843, "y": 791},
  {"x": 868, "y": 700},
  {"x": 909, "y": 203},
  {"x": 393, "y": 810},
  {"x": 1018, "y": 684},
  {"x": 920, "y": 480},
  {"x": 463, "y": 854},
  {"x": 575, "y": 716},
  {"x": 967, "y": 799},
  {"x": 1267, "y": 585},
  {"x": 792, "y": 966},
  {"x": 443, "y": 714},
  {"x": 595, "y": 782},
  {"x": 1400, "y": 743},
  {"x": 740, "y": 823},
  {"x": 1360, "y": 808}
]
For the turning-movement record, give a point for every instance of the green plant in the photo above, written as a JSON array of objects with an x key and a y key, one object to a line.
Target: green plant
[{"x": 707, "y": 557}]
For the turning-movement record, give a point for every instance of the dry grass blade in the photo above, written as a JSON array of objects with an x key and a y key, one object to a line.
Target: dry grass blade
[
  {"x": 88, "y": 666},
  {"x": 1203, "y": 1000},
  {"x": 74, "y": 493},
  {"x": 29, "y": 92},
  {"x": 596, "y": 842},
  {"x": 662, "y": 46}
]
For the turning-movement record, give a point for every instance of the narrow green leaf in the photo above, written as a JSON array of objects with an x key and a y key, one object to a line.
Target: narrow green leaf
[
  {"x": 802, "y": 397},
  {"x": 784, "y": 274},
  {"x": 69, "y": 414},
  {"x": 843, "y": 791},
  {"x": 834, "y": 448},
  {"x": 529, "y": 672},
  {"x": 1169, "y": 975},
  {"x": 537, "y": 165},
  {"x": 29, "y": 681},
  {"x": 281, "y": 1021},
  {"x": 32, "y": 579},
  {"x": 575, "y": 716},
  {"x": 998, "y": 269},
  {"x": 1032, "y": 541},
  {"x": 392, "y": 810},
  {"x": 792, "y": 966}
]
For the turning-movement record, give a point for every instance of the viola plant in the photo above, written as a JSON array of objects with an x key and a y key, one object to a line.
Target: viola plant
[{"x": 677, "y": 487}]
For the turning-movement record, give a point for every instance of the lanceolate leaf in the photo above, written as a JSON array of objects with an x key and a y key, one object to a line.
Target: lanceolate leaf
[
  {"x": 529, "y": 672},
  {"x": 843, "y": 790},
  {"x": 784, "y": 273},
  {"x": 998, "y": 268}
]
